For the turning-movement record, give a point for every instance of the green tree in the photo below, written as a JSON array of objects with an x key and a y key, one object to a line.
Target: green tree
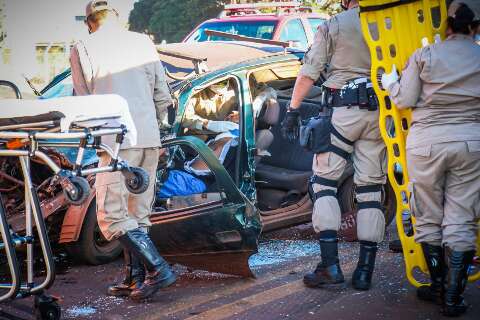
[
  {"x": 141, "y": 14},
  {"x": 330, "y": 7},
  {"x": 171, "y": 20}
]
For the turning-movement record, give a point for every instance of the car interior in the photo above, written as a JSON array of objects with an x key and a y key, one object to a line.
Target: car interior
[
  {"x": 282, "y": 174},
  {"x": 186, "y": 179},
  {"x": 282, "y": 168}
]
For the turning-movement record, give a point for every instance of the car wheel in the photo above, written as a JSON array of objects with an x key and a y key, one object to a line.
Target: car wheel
[
  {"x": 92, "y": 247},
  {"x": 348, "y": 203}
]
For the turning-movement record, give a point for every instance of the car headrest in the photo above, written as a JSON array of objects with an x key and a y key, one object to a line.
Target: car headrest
[{"x": 270, "y": 112}]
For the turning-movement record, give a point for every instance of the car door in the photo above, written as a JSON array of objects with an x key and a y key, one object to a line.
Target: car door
[{"x": 214, "y": 230}]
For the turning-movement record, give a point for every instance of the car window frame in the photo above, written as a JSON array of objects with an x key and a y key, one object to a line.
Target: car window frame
[{"x": 241, "y": 103}]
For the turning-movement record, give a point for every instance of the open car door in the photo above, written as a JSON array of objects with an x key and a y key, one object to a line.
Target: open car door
[{"x": 216, "y": 230}]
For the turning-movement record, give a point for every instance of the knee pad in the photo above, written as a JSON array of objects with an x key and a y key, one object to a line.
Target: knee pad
[
  {"x": 328, "y": 188},
  {"x": 326, "y": 214},
  {"x": 326, "y": 209},
  {"x": 370, "y": 224},
  {"x": 370, "y": 217}
]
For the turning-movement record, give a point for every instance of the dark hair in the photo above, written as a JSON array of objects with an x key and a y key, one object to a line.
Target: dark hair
[{"x": 463, "y": 21}]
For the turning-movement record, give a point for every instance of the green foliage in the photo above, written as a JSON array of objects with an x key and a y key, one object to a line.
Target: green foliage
[
  {"x": 330, "y": 7},
  {"x": 171, "y": 20},
  {"x": 140, "y": 15}
]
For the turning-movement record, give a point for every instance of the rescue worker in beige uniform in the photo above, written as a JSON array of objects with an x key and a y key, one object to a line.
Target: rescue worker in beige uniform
[
  {"x": 340, "y": 51},
  {"x": 214, "y": 109},
  {"x": 441, "y": 83},
  {"x": 112, "y": 60}
]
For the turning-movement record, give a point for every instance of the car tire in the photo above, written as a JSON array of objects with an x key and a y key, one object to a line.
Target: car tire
[
  {"x": 91, "y": 247},
  {"x": 346, "y": 197}
]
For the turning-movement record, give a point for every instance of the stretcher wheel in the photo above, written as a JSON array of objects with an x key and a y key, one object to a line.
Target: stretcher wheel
[
  {"x": 136, "y": 180},
  {"x": 47, "y": 308},
  {"x": 79, "y": 191}
]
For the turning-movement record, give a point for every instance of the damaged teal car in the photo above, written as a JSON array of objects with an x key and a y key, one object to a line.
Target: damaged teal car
[{"x": 219, "y": 186}]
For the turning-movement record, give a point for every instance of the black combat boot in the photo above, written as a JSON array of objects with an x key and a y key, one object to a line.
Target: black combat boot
[
  {"x": 458, "y": 264},
  {"x": 436, "y": 267},
  {"x": 362, "y": 276},
  {"x": 134, "y": 276},
  {"x": 328, "y": 271},
  {"x": 159, "y": 274}
]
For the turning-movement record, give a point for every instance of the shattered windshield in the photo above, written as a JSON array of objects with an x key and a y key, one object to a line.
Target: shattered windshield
[{"x": 254, "y": 29}]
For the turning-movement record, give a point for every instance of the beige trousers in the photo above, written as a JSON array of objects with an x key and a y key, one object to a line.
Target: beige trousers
[
  {"x": 445, "y": 186},
  {"x": 119, "y": 211},
  {"x": 369, "y": 161}
]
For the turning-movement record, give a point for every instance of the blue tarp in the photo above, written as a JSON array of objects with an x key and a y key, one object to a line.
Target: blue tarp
[{"x": 180, "y": 183}]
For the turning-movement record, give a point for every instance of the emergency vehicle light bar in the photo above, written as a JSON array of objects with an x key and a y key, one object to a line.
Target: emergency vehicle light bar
[
  {"x": 261, "y": 5},
  {"x": 255, "y": 8}
]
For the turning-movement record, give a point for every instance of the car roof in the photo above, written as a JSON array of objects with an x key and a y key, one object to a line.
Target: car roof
[{"x": 218, "y": 54}]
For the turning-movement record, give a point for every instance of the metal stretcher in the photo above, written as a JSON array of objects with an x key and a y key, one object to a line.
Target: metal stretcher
[
  {"x": 98, "y": 122},
  {"x": 393, "y": 30}
]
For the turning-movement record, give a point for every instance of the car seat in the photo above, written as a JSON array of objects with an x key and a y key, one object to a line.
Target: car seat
[
  {"x": 290, "y": 166},
  {"x": 268, "y": 117}
]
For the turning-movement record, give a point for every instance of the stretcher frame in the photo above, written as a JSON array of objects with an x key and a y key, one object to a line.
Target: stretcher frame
[
  {"x": 393, "y": 30},
  {"x": 30, "y": 138}
]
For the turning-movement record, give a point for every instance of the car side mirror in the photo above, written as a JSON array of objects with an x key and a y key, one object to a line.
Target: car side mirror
[{"x": 8, "y": 90}]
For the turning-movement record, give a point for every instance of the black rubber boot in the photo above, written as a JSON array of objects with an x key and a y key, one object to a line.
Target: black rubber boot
[
  {"x": 458, "y": 264},
  {"x": 436, "y": 267},
  {"x": 362, "y": 276},
  {"x": 328, "y": 271},
  {"x": 134, "y": 276},
  {"x": 159, "y": 274}
]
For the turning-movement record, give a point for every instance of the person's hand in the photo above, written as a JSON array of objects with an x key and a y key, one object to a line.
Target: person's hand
[
  {"x": 221, "y": 126},
  {"x": 234, "y": 117},
  {"x": 389, "y": 78},
  {"x": 291, "y": 125}
]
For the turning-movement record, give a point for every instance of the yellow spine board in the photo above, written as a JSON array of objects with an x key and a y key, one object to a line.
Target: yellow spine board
[{"x": 393, "y": 30}]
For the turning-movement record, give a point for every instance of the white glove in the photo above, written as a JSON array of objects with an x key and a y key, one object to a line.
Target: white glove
[
  {"x": 221, "y": 126},
  {"x": 389, "y": 78}
]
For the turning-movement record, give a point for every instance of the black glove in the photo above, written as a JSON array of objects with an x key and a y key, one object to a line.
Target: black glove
[{"x": 291, "y": 125}]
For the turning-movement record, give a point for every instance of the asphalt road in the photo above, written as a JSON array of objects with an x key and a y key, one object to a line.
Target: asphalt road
[{"x": 276, "y": 293}]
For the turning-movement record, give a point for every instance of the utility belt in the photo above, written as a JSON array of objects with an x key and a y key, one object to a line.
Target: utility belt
[
  {"x": 315, "y": 133},
  {"x": 358, "y": 92}
]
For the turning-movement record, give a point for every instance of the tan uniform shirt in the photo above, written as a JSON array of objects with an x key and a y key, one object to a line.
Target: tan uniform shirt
[
  {"x": 339, "y": 50},
  {"x": 209, "y": 105},
  {"x": 114, "y": 60},
  {"x": 442, "y": 84}
]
